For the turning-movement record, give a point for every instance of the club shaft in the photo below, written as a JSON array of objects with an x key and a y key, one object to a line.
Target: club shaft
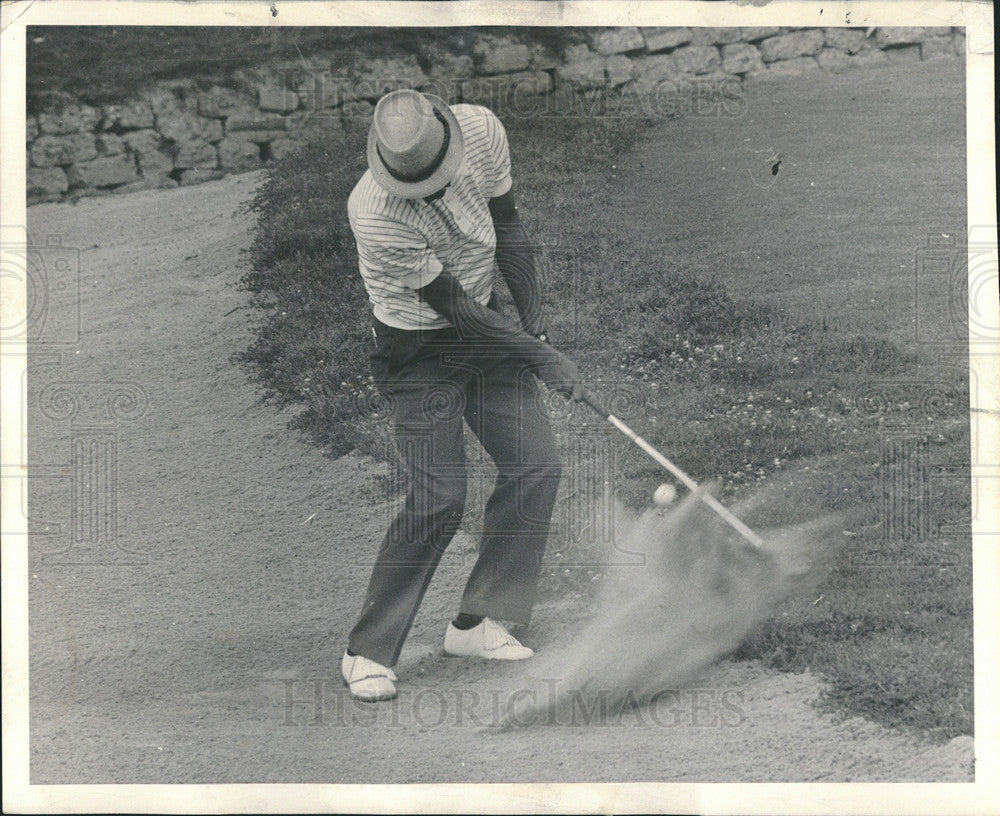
[{"x": 686, "y": 480}]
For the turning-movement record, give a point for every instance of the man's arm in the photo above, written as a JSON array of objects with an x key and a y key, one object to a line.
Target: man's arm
[
  {"x": 446, "y": 296},
  {"x": 515, "y": 259}
]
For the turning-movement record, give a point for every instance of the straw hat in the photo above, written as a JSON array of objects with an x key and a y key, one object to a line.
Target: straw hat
[{"x": 415, "y": 144}]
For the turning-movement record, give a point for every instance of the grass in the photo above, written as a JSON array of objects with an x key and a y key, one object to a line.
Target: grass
[
  {"x": 750, "y": 321},
  {"x": 109, "y": 64},
  {"x": 106, "y": 64}
]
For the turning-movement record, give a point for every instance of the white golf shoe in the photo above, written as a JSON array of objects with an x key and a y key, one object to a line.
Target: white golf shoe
[
  {"x": 368, "y": 681},
  {"x": 489, "y": 640}
]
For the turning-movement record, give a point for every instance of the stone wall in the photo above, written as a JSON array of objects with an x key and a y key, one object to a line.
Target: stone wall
[{"x": 184, "y": 132}]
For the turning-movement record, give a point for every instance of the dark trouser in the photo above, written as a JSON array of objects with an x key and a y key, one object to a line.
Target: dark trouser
[{"x": 434, "y": 383}]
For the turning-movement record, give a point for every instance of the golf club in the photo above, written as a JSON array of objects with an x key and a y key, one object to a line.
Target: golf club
[{"x": 686, "y": 480}]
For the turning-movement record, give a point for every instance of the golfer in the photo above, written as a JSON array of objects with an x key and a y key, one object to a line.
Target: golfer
[{"x": 433, "y": 217}]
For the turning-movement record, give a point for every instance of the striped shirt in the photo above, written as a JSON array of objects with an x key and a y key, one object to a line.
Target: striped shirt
[{"x": 403, "y": 244}]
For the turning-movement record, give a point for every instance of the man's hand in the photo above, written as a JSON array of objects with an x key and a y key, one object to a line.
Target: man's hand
[
  {"x": 562, "y": 376},
  {"x": 475, "y": 322}
]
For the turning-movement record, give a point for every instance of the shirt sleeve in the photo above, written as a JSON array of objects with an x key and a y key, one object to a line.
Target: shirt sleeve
[
  {"x": 500, "y": 153},
  {"x": 394, "y": 251}
]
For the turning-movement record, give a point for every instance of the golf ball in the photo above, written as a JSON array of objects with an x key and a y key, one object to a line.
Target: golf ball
[{"x": 664, "y": 494}]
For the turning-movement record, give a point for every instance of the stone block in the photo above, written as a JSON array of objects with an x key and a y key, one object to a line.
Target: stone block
[
  {"x": 30, "y": 128},
  {"x": 154, "y": 166},
  {"x": 654, "y": 70},
  {"x": 958, "y": 40},
  {"x": 238, "y": 154},
  {"x": 258, "y": 123},
  {"x": 142, "y": 141},
  {"x": 753, "y": 34},
  {"x": 937, "y": 47},
  {"x": 448, "y": 66},
  {"x": 300, "y": 75},
  {"x": 183, "y": 125},
  {"x": 868, "y": 58},
  {"x": 834, "y": 60},
  {"x": 504, "y": 89},
  {"x": 210, "y": 129},
  {"x": 248, "y": 80},
  {"x": 698, "y": 59},
  {"x": 902, "y": 35},
  {"x": 132, "y": 115},
  {"x": 72, "y": 118},
  {"x": 806, "y": 43},
  {"x": 278, "y": 100},
  {"x": 619, "y": 70},
  {"x": 49, "y": 151},
  {"x": 280, "y": 148},
  {"x": 164, "y": 103},
  {"x": 587, "y": 73},
  {"x": 502, "y": 58},
  {"x": 790, "y": 67},
  {"x": 903, "y": 53},
  {"x": 46, "y": 183},
  {"x": 106, "y": 171},
  {"x": 218, "y": 103},
  {"x": 578, "y": 52},
  {"x": 108, "y": 144},
  {"x": 851, "y": 40},
  {"x": 610, "y": 41},
  {"x": 716, "y": 35},
  {"x": 303, "y": 82},
  {"x": 660, "y": 39},
  {"x": 741, "y": 58},
  {"x": 197, "y": 175},
  {"x": 195, "y": 154},
  {"x": 377, "y": 77},
  {"x": 543, "y": 58}
]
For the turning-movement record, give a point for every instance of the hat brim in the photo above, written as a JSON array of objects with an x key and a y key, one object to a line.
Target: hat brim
[{"x": 439, "y": 178}]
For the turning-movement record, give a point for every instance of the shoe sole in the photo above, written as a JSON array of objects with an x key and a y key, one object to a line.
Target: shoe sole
[
  {"x": 487, "y": 657},
  {"x": 361, "y": 699},
  {"x": 372, "y": 699}
]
